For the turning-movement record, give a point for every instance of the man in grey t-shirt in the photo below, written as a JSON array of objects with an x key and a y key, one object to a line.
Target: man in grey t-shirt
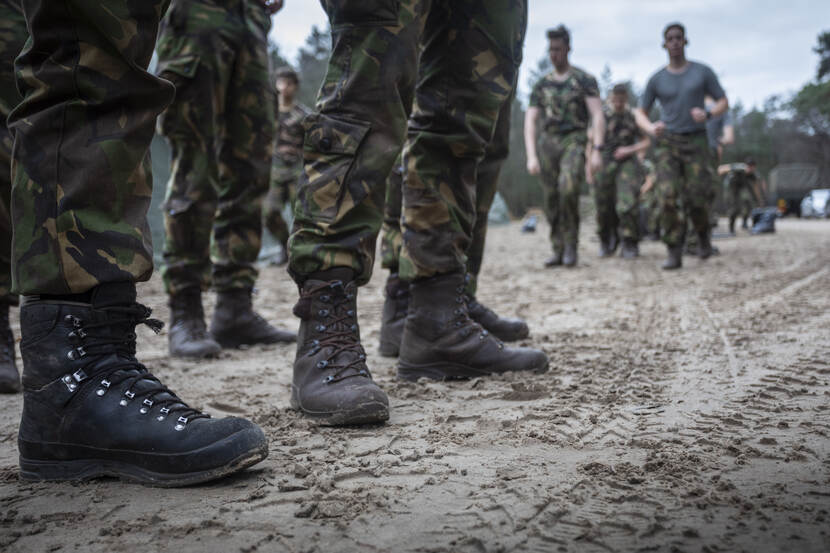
[{"x": 683, "y": 158}]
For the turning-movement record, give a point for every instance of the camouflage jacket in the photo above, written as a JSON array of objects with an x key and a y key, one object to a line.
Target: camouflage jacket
[
  {"x": 620, "y": 129},
  {"x": 290, "y": 132},
  {"x": 563, "y": 103}
]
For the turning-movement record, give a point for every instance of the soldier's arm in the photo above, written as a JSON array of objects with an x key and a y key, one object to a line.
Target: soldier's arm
[
  {"x": 645, "y": 124},
  {"x": 594, "y": 105},
  {"x": 531, "y": 116},
  {"x": 728, "y": 135}
]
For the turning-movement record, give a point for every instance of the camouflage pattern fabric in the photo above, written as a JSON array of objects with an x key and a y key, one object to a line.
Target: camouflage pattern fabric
[
  {"x": 563, "y": 171},
  {"x": 286, "y": 167},
  {"x": 13, "y": 35},
  {"x": 561, "y": 147},
  {"x": 684, "y": 177},
  {"x": 563, "y": 103},
  {"x": 617, "y": 188},
  {"x": 487, "y": 179},
  {"x": 81, "y": 179},
  {"x": 741, "y": 193},
  {"x": 220, "y": 129},
  {"x": 651, "y": 199},
  {"x": 469, "y": 55}
]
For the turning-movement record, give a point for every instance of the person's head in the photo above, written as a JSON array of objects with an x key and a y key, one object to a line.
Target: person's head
[
  {"x": 619, "y": 97},
  {"x": 674, "y": 39},
  {"x": 559, "y": 45},
  {"x": 287, "y": 82},
  {"x": 750, "y": 165}
]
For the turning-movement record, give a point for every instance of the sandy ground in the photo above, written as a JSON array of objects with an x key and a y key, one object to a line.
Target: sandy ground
[{"x": 682, "y": 412}]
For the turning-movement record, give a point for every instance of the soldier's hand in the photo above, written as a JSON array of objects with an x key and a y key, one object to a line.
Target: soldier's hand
[
  {"x": 589, "y": 175},
  {"x": 621, "y": 153},
  {"x": 273, "y": 6},
  {"x": 698, "y": 114},
  {"x": 658, "y": 128},
  {"x": 533, "y": 166}
]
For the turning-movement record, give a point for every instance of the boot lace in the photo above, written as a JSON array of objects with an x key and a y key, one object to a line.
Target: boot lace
[
  {"x": 463, "y": 320},
  {"x": 338, "y": 327},
  {"x": 92, "y": 343}
]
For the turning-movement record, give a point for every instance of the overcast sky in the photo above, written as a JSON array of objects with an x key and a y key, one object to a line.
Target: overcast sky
[{"x": 757, "y": 47}]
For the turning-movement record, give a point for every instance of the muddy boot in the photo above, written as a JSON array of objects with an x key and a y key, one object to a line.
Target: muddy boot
[
  {"x": 630, "y": 249},
  {"x": 188, "y": 335},
  {"x": 674, "y": 259},
  {"x": 569, "y": 255},
  {"x": 331, "y": 381},
  {"x": 507, "y": 330},
  {"x": 555, "y": 260},
  {"x": 235, "y": 323},
  {"x": 704, "y": 250},
  {"x": 394, "y": 315},
  {"x": 441, "y": 341},
  {"x": 9, "y": 377},
  {"x": 90, "y": 409}
]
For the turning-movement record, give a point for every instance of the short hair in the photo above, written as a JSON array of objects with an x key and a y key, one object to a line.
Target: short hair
[
  {"x": 287, "y": 73},
  {"x": 560, "y": 33},
  {"x": 620, "y": 88},
  {"x": 674, "y": 25}
]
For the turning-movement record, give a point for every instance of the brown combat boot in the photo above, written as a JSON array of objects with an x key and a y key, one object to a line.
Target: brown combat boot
[
  {"x": 503, "y": 328},
  {"x": 674, "y": 259},
  {"x": 9, "y": 377},
  {"x": 235, "y": 323},
  {"x": 441, "y": 341},
  {"x": 188, "y": 335},
  {"x": 394, "y": 315},
  {"x": 331, "y": 381}
]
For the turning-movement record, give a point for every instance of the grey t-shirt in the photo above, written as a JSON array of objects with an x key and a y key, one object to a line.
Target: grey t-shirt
[
  {"x": 678, "y": 93},
  {"x": 715, "y": 126}
]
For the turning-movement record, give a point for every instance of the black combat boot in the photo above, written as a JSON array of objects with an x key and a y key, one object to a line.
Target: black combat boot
[
  {"x": 569, "y": 255},
  {"x": 331, "y": 381},
  {"x": 630, "y": 249},
  {"x": 394, "y": 315},
  {"x": 608, "y": 244},
  {"x": 555, "y": 260},
  {"x": 441, "y": 342},
  {"x": 235, "y": 323},
  {"x": 732, "y": 224},
  {"x": 503, "y": 328},
  {"x": 704, "y": 250},
  {"x": 674, "y": 259},
  {"x": 188, "y": 335},
  {"x": 90, "y": 409},
  {"x": 9, "y": 377}
]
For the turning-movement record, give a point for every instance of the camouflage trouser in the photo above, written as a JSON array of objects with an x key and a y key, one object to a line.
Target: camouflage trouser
[
  {"x": 741, "y": 199},
  {"x": 281, "y": 192},
  {"x": 711, "y": 200},
  {"x": 12, "y": 37},
  {"x": 469, "y": 54},
  {"x": 487, "y": 180},
  {"x": 86, "y": 119},
  {"x": 684, "y": 178},
  {"x": 617, "y": 197},
  {"x": 563, "y": 171},
  {"x": 651, "y": 199},
  {"x": 220, "y": 129}
]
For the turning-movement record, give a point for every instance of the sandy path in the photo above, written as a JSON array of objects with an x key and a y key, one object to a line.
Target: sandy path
[{"x": 683, "y": 412}]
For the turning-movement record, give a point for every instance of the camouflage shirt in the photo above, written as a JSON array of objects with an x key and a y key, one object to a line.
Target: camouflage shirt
[
  {"x": 289, "y": 144},
  {"x": 563, "y": 103},
  {"x": 620, "y": 128}
]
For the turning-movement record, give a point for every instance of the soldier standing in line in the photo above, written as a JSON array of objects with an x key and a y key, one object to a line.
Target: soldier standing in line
[
  {"x": 567, "y": 100},
  {"x": 288, "y": 157},
  {"x": 463, "y": 55},
  {"x": 741, "y": 180},
  {"x": 397, "y": 291},
  {"x": 220, "y": 128},
  {"x": 12, "y": 37},
  {"x": 683, "y": 158},
  {"x": 617, "y": 186},
  {"x": 82, "y": 183}
]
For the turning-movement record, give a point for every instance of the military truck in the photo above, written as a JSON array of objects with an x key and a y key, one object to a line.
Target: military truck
[{"x": 789, "y": 183}]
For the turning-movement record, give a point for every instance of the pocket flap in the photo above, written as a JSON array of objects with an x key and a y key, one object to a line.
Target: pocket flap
[
  {"x": 329, "y": 135},
  {"x": 184, "y": 66}
]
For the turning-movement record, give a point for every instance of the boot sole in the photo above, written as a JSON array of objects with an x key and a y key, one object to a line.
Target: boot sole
[
  {"x": 371, "y": 412},
  {"x": 235, "y": 343},
  {"x": 89, "y": 469},
  {"x": 453, "y": 371},
  {"x": 388, "y": 349}
]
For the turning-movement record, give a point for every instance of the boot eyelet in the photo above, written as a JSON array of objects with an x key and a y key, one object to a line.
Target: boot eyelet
[
  {"x": 457, "y": 324},
  {"x": 130, "y": 394},
  {"x": 459, "y": 299},
  {"x": 145, "y": 407},
  {"x": 105, "y": 383},
  {"x": 349, "y": 296},
  {"x": 329, "y": 379},
  {"x": 322, "y": 364},
  {"x": 100, "y": 392},
  {"x": 362, "y": 372},
  {"x": 180, "y": 424},
  {"x": 353, "y": 328},
  {"x": 323, "y": 312},
  {"x": 362, "y": 356},
  {"x": 321, "y": 328},
  {"x": 324, "y": 298},
  {"x": 350, "y": 313}
]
